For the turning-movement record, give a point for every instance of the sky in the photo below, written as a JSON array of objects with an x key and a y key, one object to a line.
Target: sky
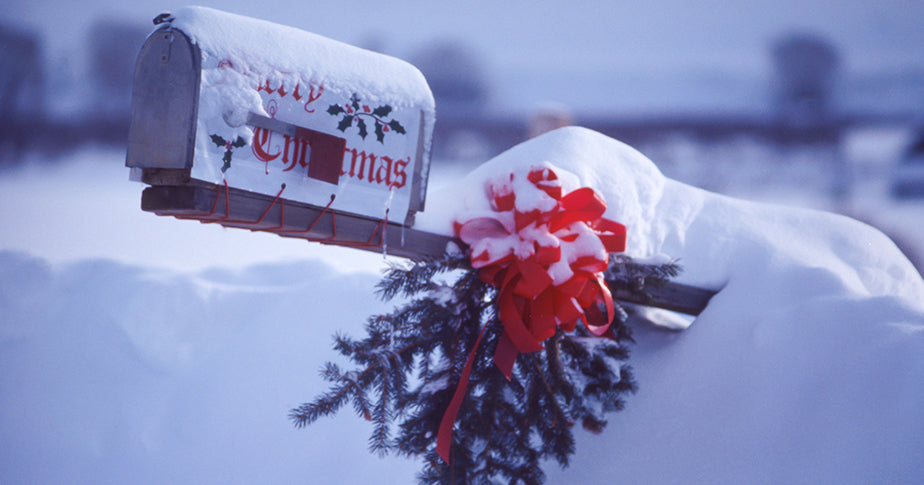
[
  {"x": 598, "y": 58},
  {"x": 580, "y": 35}
]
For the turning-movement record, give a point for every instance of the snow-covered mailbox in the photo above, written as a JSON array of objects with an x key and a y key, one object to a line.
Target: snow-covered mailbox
[{"x": 251, "y": 124}]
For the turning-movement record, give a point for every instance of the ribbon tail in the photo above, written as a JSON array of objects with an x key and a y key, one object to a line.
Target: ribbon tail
[
  {"x": 607, "y": 297},
  {"x": 444, "y": 437},
  {"x": 505, "y": 355},
  {"x": 514, "y": 327}
]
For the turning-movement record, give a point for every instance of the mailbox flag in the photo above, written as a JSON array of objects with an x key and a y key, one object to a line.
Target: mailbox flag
[{"x": 326, "y": 158}]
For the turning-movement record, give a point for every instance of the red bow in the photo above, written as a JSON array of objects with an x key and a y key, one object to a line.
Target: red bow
[{"x": 546, "y": 255}]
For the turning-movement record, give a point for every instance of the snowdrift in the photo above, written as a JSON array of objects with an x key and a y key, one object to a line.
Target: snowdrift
[
  {"x": 723, "y": 243},
  {"x": 807, "y": 366},
  {"x": 116, "y": 374}
]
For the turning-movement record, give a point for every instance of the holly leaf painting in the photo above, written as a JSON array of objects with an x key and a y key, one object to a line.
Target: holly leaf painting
[
  {"x": 345, "y": 123},
  {"x": 218, "y": 141},
  {"x": 227, "y": 160},
  {"x": 239, "y": 142},
  {"x": 396, "y": 127},
  {"x": 362, "y": 115}
]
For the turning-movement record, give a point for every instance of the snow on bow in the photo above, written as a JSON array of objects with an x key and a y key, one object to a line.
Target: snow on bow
[{"x": 546, "y": 253}]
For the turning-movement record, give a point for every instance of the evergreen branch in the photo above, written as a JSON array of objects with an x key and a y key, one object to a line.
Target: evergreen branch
[
  {"x": 379, "y": 441},
  {"x": 625, "y": 274},
  {"x": 410, "y": 360},
  {"x": 326, "y": 404},
  {"x": 410, "y": 280}
]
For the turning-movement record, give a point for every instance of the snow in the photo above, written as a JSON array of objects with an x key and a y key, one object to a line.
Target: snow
[
  {"x": 139, "y": 349},
  {"x": 492, "y": 232},
  {"x": 79, "y": 206},
  {"x": 117, "y": 374},
  {"x": 300, "y": 75},
  {"x": 263, "y": 48},
  {"x": 262, "y": 51},
  {"x": 805, "y": 367},
  {"x": 722, "y": 242}
]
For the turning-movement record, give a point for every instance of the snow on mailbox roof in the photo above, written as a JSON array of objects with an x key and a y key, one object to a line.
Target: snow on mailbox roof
[{"x": 265, "y": 49}]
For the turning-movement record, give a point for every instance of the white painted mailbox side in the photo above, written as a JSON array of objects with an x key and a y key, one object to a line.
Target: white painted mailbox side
[{"x": 268, "y": 108}]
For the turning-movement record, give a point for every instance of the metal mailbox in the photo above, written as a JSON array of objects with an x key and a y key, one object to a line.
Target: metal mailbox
[
  {"x": 254, "y": 125},
  {"x": 238, "y": 107}
]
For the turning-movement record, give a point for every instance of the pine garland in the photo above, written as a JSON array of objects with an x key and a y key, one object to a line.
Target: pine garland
[{"x": 411, "y": 359}]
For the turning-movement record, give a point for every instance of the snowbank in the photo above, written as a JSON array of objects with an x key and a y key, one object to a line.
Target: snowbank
[
  {"x": 117, "y": 374},
  {"x": 806, "y": 367},
  {"x": 751, "y": 250}
]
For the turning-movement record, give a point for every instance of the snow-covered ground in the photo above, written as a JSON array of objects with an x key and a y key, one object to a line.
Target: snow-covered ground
[
  {"x": 806, "y": 367},
  {"x": 139, "y": 349},
  {"x": 117, "y": 374},
  {"x": 82, "y": 205},
  {"x": 852, "y": 178}
]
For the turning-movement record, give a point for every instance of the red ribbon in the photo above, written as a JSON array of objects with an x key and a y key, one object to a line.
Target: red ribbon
[{"x": 518, "y": 260}]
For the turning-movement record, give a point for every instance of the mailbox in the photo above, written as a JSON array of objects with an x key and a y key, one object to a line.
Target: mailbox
[{"x": 247, "y": 109}]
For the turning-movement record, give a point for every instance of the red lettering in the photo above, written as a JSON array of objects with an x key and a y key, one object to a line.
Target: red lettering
[
  {"x": 371, "y": 168},
  {"x": 363, "y": 166},
  {"x": 281, "y": 90},
  {"x": 314, "y": 92},
  {"x": 343, "y": 171},
  {"x": 362, "y": 156},
  {"x": 261, "y": 143},
  {"x": 385, "y": 167},
  {"x": 312, "y": 97},
  {"x": 265, "y": 87},
  {"x": 401, "y": 172},
  {"x": 299, "y": 147}
]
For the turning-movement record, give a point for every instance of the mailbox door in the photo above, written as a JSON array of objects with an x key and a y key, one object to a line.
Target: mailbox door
[{"x": 165, "y": 99}]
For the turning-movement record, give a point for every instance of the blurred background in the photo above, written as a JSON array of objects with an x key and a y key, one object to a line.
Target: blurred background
[{"x": 812, "y": 103}]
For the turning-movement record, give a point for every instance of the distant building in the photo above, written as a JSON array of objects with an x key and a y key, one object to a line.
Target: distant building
[
  {"x": 455, "y": 76},
  {"x": 21, "y": 79},
  {"x": 908, "y": 175},
  {"x": 806, "y": 68},
  {"x": 22, "y": 87},
  {"x": 113, "y": 48}
]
